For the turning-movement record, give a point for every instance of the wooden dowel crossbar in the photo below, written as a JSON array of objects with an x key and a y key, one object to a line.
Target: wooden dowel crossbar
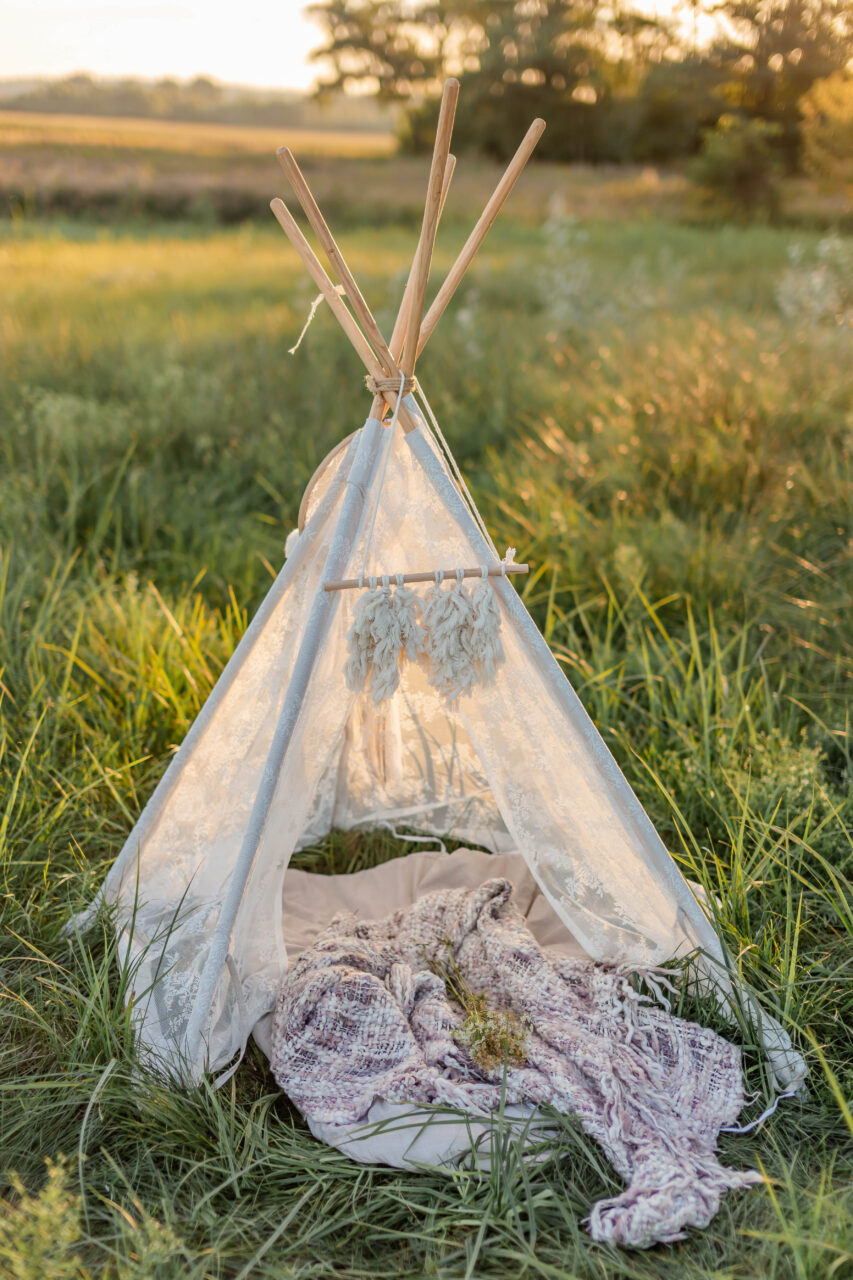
[
  {"x": 466, "y": 257},
  {"x": 450, "y": 575}
]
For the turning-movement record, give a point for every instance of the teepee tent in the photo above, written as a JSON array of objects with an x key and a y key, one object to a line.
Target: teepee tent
[{"x": 284, "y": 750}]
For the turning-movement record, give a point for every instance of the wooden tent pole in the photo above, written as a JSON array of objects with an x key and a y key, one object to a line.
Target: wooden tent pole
[
  {"x": 423, "y": 256},
  {"x": 317, "y": 273},
  {"x": 398, "y": 337},
  {"x": 336, "y": 303},
  {"x": 318, "y": 222},
  {"x": 346, "y": 530},
  {"x": 478, "y": 235}
]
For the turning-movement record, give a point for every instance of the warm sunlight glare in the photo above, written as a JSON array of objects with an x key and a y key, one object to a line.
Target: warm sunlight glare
[{"x": 254, "y": 42}]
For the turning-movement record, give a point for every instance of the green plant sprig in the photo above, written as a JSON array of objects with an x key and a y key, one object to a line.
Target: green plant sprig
[{"x": 494, "y": 1037}]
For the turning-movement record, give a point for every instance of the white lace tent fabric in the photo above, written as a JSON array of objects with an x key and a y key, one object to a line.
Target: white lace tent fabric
[{"x": 284, "y": 751}]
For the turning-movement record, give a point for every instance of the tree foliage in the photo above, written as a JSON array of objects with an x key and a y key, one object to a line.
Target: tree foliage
[
  {"x": 772, "y": 53},
  {"x": 736, "y": 170},
  {"x": 827, "y": 129},
  {"x": 612, "y": 82}
]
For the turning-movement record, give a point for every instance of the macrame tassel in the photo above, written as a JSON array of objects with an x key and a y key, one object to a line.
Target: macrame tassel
[
  {"x": 487, "y": 652},
  {"x": 447, "y": 626},
  {"x": 385, "y": 629},
  {"x": 409, "y": 607}
]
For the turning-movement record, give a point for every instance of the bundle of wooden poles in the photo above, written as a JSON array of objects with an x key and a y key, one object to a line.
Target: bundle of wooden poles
[{"x": 391, "y": 365}]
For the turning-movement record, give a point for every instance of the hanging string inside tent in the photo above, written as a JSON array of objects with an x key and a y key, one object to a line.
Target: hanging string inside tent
[
  {"x": 291, "y": 351},
  {"x": 436, "y": 841},
  {"x": 444, "y": 449}
]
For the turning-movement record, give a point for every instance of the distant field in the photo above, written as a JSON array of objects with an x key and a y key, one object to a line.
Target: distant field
[
  {"x": 117, "y": 170},
  {"x": 122, "y": 170},
  {"x": 28, "y": 129}
]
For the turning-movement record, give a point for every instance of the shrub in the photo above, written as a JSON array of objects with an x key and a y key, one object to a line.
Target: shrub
[
  {"x": 736, "y": 171},
  {"x": 817, "y": 287},
  {"x": 38, "y": 1234},
  {"x": 827, "y": 129}
]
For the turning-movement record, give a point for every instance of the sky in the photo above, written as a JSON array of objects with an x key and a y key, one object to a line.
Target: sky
[{"x": 253, "y": 42}]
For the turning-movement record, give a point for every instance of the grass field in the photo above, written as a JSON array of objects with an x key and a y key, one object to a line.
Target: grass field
[
  {"x": 30, "y": 129},
  {"x": 122, "y": 171},
  {"x": 118, "y": 171},
  {"x": 660, "y": 418}
]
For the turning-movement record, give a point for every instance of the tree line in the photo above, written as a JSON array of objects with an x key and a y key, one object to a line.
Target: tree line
[
  {"x": 615, "y": 83},
  {"x": 201, "y": 99}
]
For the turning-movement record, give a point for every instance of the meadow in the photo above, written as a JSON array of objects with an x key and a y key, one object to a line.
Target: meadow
[
  {"x": 123, "y": 172},
  {"x": 660, "y": 418}
]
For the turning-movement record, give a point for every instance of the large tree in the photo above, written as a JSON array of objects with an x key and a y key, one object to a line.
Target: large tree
[
  {"x": 772, "y": 51},
  {"x": 392, "y": 47},
  {"x": 519, "y": 58},
  {"x": 610, "y": 81}
]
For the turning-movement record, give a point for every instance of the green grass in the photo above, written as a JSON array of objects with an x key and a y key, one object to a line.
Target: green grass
[{"x": 667, "y": 440}]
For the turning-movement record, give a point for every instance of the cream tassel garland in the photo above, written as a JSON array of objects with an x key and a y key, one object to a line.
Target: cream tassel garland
[
  {"x": 447, "y": 625},
  {"x": 384, "y": 631},
  {"x": 487, "y": 652}
]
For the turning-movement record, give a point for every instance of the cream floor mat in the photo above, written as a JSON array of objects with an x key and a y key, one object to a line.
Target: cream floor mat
[
  {"x": 408, "y": 1136},
  {"x": 311, "y": 900}
]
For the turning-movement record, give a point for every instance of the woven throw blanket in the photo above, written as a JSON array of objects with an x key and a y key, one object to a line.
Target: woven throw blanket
[{"x": 363, "y": 1016}]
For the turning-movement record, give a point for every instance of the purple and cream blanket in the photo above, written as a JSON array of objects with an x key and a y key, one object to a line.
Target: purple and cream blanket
[{"x": 362, "y": 1016}]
